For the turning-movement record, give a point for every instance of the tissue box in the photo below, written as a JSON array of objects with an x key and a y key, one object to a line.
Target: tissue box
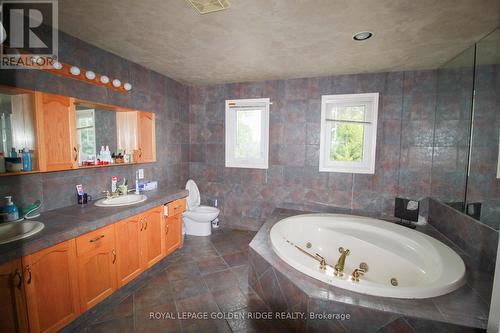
[
  {"x": 148, "y": 186},
  {"x": 402, "y": 211}
]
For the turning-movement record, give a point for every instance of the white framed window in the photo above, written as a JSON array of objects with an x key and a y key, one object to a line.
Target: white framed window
[
  {"x": 247, "y": 133},
  {"x": 348, "y": 133}
]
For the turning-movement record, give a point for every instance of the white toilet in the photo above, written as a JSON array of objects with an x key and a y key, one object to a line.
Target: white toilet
[{"x": 198, "y": 219}]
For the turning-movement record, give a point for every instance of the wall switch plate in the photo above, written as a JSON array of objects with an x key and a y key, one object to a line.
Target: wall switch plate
[
  {"x": 141, "y": 173},
  {"x": 401, "y": 209}
]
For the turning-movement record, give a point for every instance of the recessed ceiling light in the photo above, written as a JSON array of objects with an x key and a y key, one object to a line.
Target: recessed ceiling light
[{"x": 362, "y": 35}]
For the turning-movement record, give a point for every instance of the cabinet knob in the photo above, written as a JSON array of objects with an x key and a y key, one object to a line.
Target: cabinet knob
[
  {"x": 17, "y": 275},
  {"x": 114, "y": 255},
  {"x": 28, "y": 270},
  {"x": 76, "y": 153},
  {"x": 166, "y": 231}
]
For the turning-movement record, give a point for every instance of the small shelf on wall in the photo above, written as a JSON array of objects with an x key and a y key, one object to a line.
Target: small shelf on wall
[{"x": 4, "y": 174}]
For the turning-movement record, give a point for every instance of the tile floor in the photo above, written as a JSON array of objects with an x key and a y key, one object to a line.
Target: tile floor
[{"x": 209, "y": 274}]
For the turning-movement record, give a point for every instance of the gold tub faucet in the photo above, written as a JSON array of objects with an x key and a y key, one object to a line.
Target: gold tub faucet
[
  {"x": 322, "y": 262},
  {"x": 359, "y": 272},
  {"x": 339, "y": 267}
]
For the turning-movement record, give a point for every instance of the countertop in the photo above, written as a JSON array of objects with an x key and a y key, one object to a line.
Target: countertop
[{"x": 70, "y": 222}]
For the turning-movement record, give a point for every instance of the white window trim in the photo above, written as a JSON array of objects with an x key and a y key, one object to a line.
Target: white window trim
[
  {"x": 231, "y": 160},
  {"x": 367, "y": 166}
]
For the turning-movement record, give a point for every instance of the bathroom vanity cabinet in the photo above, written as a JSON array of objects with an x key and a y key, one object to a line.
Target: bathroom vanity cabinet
[
  {"x": 51, "y": 282},
  {"x": 152, "y": 244},
  {"x": 173, "y": 225},
  {"x": 13, "y": 312},
  {"x": 128, "y": 242},
  {"x": 96, "y": 256},
  {"x": 45, "y": 291}
]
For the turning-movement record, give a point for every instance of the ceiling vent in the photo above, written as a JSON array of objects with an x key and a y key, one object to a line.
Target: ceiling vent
[{"x": 208, "y": 6}]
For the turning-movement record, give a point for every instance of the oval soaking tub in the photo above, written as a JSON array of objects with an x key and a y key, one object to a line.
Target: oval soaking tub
[{"x": 399, "y": 262}]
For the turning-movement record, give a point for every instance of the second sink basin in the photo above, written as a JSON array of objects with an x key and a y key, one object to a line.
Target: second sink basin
[
  {"x": 124, "y": 200},
  {"x": 13, "y": 231}
]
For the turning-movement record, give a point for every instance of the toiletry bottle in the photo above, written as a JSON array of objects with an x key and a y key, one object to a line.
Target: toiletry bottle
[
  {"x": 80, "y": 155},
  {"x": 13, "y": 152},
  {"x": 101, "y": 153},
  {"x": 10, "y": 209},
  {"x": 114, "y": 180},
  {"x": 27, "y": 163},
  {"x": 2, "y": 163}
]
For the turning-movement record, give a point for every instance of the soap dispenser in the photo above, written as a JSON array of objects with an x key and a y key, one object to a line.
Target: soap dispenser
[{"x": 9, "y": 212}]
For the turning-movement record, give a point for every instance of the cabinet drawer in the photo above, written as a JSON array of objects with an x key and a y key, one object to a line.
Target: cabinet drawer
[
  {"x": 176, "y": 207},
  {"x": 95, "y": 240}
]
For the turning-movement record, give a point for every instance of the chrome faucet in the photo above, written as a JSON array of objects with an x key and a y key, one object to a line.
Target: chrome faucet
[{"x": 339, "y": 266}]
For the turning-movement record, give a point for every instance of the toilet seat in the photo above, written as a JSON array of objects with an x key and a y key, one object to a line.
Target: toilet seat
[
  {"x": 198, "y": 218},
  {"x": 193, "y": 199},
  {"x": 202, "y": 213}
]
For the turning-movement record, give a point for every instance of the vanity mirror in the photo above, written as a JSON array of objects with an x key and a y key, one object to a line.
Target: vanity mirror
[
  {"x": 466, "y": 153},
  {"x": 483, "y": 187},
  {"x": 54, "y": 132},
  {"x": 452, "y": 124},
  {"x": 110, "y": 136}
]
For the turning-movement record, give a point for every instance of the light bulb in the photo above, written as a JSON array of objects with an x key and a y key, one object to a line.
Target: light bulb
[
  {"x": 90, "y": 75},
  {"x": 116, "y": 83},
  {"x": 57, "y": 65},
  {"x": 74, "y": 70},
  {"x": 127, "y": 86},
  {"x": 104, "y": 79}
]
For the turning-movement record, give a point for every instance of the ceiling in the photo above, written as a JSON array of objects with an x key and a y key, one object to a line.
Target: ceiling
[{"x": 280, "y": 39}]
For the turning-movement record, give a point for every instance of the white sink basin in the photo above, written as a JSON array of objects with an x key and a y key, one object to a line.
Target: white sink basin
[
  {"x": 124, "y": 200},
  {"x": 13, "y": 231}
]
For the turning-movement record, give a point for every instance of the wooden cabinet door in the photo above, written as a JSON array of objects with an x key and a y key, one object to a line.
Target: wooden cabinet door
[
  {"x": 128, "y": 239},
  {"x": 147, "y": 138},
  {"x": 96, "y": 266},
  {"x": 56, "y": 132},
  {"x": 152, "y": 239},
  {"x": 173, "y": 233},
  {"x": 51, "y": 282},
  {"x": 13, "y": 313}
]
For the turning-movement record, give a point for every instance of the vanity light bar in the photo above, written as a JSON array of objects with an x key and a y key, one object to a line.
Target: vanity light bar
[{"x": 88, "y": 76}]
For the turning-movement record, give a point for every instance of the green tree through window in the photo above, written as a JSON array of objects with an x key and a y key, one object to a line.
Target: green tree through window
[{"x": 347, "y": 142}]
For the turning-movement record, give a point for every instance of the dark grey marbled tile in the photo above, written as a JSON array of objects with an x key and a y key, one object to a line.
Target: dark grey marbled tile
[
  {"x": 478, "y": 240},
  {"x": 397, "y": 326},
  {"x": 473, "y": 312},
  {"x": 425, "y": 326}
]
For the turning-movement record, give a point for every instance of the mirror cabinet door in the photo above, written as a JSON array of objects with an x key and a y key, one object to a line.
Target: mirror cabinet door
[
  {"x": 55, "y": 118},
  {"x": 17, "y": 130}
]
